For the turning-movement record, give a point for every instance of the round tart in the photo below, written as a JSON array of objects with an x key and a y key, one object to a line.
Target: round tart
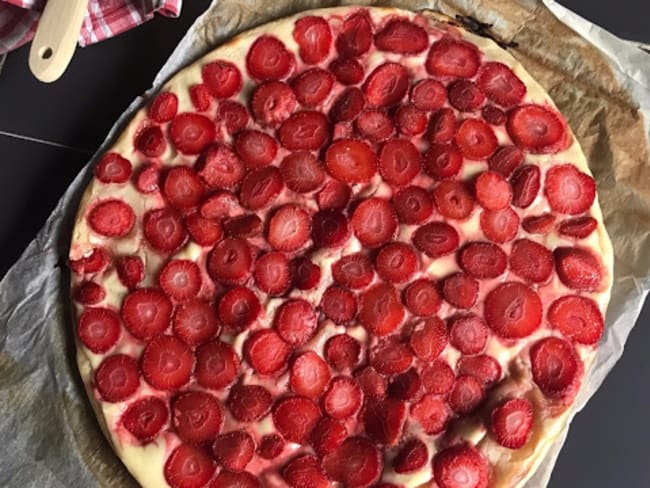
[{"x": 353, "y": 247}]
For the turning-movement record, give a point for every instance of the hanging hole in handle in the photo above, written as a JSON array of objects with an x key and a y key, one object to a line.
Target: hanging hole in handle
[{"x": 46, "y": 52}]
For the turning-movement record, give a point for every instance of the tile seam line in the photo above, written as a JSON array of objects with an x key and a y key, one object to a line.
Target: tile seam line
[{"x": 46, "y": 142}]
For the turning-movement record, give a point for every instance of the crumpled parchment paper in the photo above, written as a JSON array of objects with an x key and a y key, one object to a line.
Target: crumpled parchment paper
[{"x": 50, "y": 437}]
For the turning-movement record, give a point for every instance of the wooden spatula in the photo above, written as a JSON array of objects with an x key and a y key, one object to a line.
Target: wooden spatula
[{"x": 56, "y": 38}]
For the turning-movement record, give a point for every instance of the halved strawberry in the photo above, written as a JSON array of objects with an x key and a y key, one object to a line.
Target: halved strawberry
[
  {"x": 113, "y": 168},
  {"x": 272, "y": 274},
  {"x": 219, "y": 205},
  {"x": 314, "y": 38},
  {"x": 381, "y": 311},
  {"x": 468, "y": 333},
  {"x": 399, "y": 162},
  {"x": 238, "y": 308},
  {"x": 334, "y": 194},
  {"x": 347, "y": 105},
  {"x": 188, "y": 467},
  {"x": 272, "y": 102},
  {"x": 244, "y": 226},
  {"x": 269, "y": 59},
  {"x": 312, "y": 87},
  {"x": 351, "y": 161},
  {"x": 436, "y": 239},
  {"x": 411, "y": 457},
  {"x": 374, "y": 222},
  {"x": 180, "y": 279},
  {"x": 499, "y": 225},
  {"x": 372, "y": 383},
  {"x": 483, "y": 260},
  {"x": 305, "y": 470},
  {"x": 556, "y": 366},
  {"x": 501, "y": 85},
  {"x": 438, "y": 377},
  {"x": 270, "y": 446},
  {"x": 289, "y": 228},
  {"x": 396, "y": 262},
  {"x": 228, "y": 479},
  {"x": 578, "y": 268},
  {"x": 147, "y": 178},
  {"x": 432, "y": 413},
  {"x": 422, "y": 298},
  {"x": 513, "y": 310},
  {"x": 200, "y": 97},
  {"x": 309, "y": 375},
  {"x": 167, "y": 363},
  {"x": 492, "y": 190},
  {"x": 384, "y": 420},
  {"x": 375, "y": 125},
  {"x": 230, "y": 261},
  {"x": 568, "y": 190},
  {"x": 328, "y": 435},
  {"x": 296, "y": 321},
  {"x": 111, "y": 218},
  {"x": 117, "y": 378},
  {"x": 579, "y": 227},
  {"x": 348, "y": 71},
  {"x": 205, "y": 232},
  {"x": 191, "y": 133},
  {"x": 461, "y": 290},
  {"x": 511, "y": 422},
  {"x": 484, "y": 368},
  {"x": 466, "y": 394},
  {"x": 302, "y": 172},
  {"x": 386, "y": 85},
  {"x": 343, "y": 398},
  {"x": 249, "y": 403},
  {"x": 197, "y": 416},
  {"x": 356, "y": 462},
  {"x": 493, "y": 115},
  {"x": 355, "y": 37},
  {"x": 256, "y": 149},
  {"x": 452, "y": 58},
  {"x": 339, "y": 305},
  {"x": 578, "y": 318},
  {"x": 145, "y": 418},
  {"x": 461, "y": 466},
  {"x": 260, "y": 188},
  {"x": 221, "y": 78},
  {"x": 99, "y": 329},
  {"x": 465, "y": 95},
  {"x": 531, "y": 261},
  {"x": 505, "y": 160},
  {"x": 217, "y": 365},
  {"x": 442, "y": 161},
  {"x": 525, "y": 183},
  {"x": 330, "y": 228},
  {"x": 342, "y": 351},
  {"x": 232, "y": 115},
  {"x": 476, "y": 139},
  {"x": 304, "y": 131},
  {"x": 295, "y": 417},
  {"x": 413, "y": 205},
  {"x": 410, "y": 120},
  {"x": 443, "y": 126},
  {"x": 182, "y": 188},
  {"x": 234, "y": 450},
  {"x": 150, "y": 141},
  {"x": 406, "y": 386},
  {"x": 353, "y": 270},
  {"x": 538, "y": 224},
  {"x": 195, "y": 321},
  {"x": 89, "y": 293},
  {"x": 163, "y": 107},
  {"x": 536, "y": 129},
  {"x": 266, "y": 352},
  {"x": 390, "y": 356},
  {"x": 453, "y": 199},
  {"x": 305, "y": 273},
  {"x": 220, "y": 167},
  {"x": 93, "y": 262},
  {"x": 428, "y": 94},
  {"x": 146, "y": 312},
  {"x": 399, "y": 35}
]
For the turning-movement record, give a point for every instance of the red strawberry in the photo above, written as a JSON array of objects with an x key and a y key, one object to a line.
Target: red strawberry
[
  {"x": 399, "y": 162},
  {"x": 234, "y": 450},
  {"x": 525, "y": 185},
  {"x": 217, "y": 365},
  {"x": 260, "y": 188},
  {"x": 461, "y": 466},
  {"x": 167, "y": 363},
  {"x": 351, "y": 161},
  {"x": 493, "y": 115},
  {"x": 220, "y": 167},
  {"x": 266, "y": 352},
  {"x": 314, "y": 38},
  {"x": 111, "y": 218},
  {"x": 329, "y": 229},
  {"x": 348, "y": 71},
  {"x": 188, "y": 467},
  {"x": 442, "y": 161},
  {"x": 305, "y": 470},
  {"x": 146, "y": 312},
  {"x": 568, "y": 190},
  {"x": 468, "y": 333},
  {"x": 227, "y": 479},
  {"x": 220, "y": 205},
  {"x": 579, "y": 227},
  {"x": 270, "y": 446},
  {"x": 238, "y": 308},
  {"x": 531, "y": 261},
  {"x": 305, "y": 273},
  {"x": 391, "y": 357},
  {"x": 99, "y": 329},
  {"x": 536, "y": 129},
  {"x": 386, "y": 85},
  {"x": 230, "y": 261},
  {"x": 356, "y": 462},
  {"x": 221, "y": 78},
  {"x": 432, "y": 413},
  {"x": 578, "y": 318},
  {"x": 466, "y": 394},
  {"x": 511, "y": 422},
  {"x": 94, "y": 262},
  {"x": 428, "y": 94},
  {"x": 384, "y": 421},
  {"x": 405, "y": 386},
  {"x": 197, "y": 416},
  {"x": 117, "y": 378},
  {"x": 399, "y": 35},
  {"x": 461, "y": 290},
  {"x": 269, "y": 59},
  {"x": 501, "y": 85},
  {"x": 483, "y": 260},
  {"x": 289, "y": 228},
  {"x": 296, "y": 321},
  {"x": 381, "y": 311},
  {"x": 244, "y": 226},
  {"x": 353, "y": 271},
  {"x": 248, "y": 403},
  {"x": 422, "y": 298},
  {"x": 191, "y": 133},
  {"x": 89, "y": 293},
  {"x": 410, "y": 120},
  {"x": 295, "y": 417},
  {"x": 374, "y": 125},
  {"x": 342, "y": 351},
  {"x": 438, "y": 377},
  {"x": 195, "y": 322},
  {"x": 374, "y": 222},
  {"x": 443, "y": 126},
  {"x": 513, "y": 310},
  {"x": 396, "y": 262},
  {"x": 556, "y": 366},
  {"x": 484, "y": 368},
  {"x": 436, "y": 239},
  {"x": 113, "y": 168},
  {"x": 328, "y": 435},
  {"x": 452, "y": 58},
  {"x": 272, "y": 274},
  {"x": 476, "y": 139},
  {"x": 339, "y": 305},
  {"x": 578, "y": 268},
  {"x": 343, "y": 398},
  {"x": 182, "y": 188},
  {"x": 499, "y": 225},
  {"x": 307, "y": 130},
  {"x": 256, "y": 149},
  {"x": 163, "y": 107},
  {"x": 371, "y": 382},
  {"x": 204, "y": 232},
  {"x": 309, "y": 375},
  {"x": 453, "y": 199},
  {"x": 334, "y": 194},
  {"x": 411, "y": 457},
  {"x": 180, "y": 279},
  {"x": 355, "y": 37},
  {"x": 465, "y": 95},
  {"x": 413, "y": 205},
  {"x": 506, "y": 159},
  {"x": 347, "y": 105},
  {"x": 145, "y": 418},
  {"x": 538, "y": 224},
  {"x": 164, "y": 230},
  {"x": 312, "y": 87},
  {"x": 150, "y": 141},
  {"x": 493, "y": 191},
  {"x": 272, "y": 103},
  {"x": 232, "y": 115},
  {"x": 302, "y": 172},
  {"x": 200, "y": 97}
]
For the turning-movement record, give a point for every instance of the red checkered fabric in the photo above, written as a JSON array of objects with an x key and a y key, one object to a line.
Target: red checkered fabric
[{"x": 104, "y": 19}]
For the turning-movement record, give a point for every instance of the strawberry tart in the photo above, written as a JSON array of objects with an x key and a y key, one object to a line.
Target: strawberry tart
[{"x": 354, "y": 247}]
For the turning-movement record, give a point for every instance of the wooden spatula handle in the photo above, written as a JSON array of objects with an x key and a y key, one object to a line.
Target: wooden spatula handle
[{"x": 56, "y": 38}]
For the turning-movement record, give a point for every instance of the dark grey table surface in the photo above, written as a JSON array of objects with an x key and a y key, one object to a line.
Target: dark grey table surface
[{"x": 48, "y": 132}]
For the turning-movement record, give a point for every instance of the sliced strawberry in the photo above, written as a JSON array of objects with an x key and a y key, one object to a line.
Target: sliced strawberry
[
  {"x": 391, "y": 357},
  {"x": 422, "y": 298},
  {"x": 99, "y": 329},
  {"x": 167, "y": 363},
  {"x": 399, "y": 162},
  {"x": 94, "y": 262},
  {"x": 163, "y": 107},
  {"x": 348, "y": 71},
  {"x": 221, "y": 78},
  {"x": 249, "y": 403},
  {"x": 443, "y": 126},
  {"x": 314, "y": 38},
  {"x": 244, "y": 226},
  {"x": 217, "y": 365},
  {"x": 220, "y": 205},
  {"x": 256, "y": 149},
  {"x": 330, "y": 228},
  {"x": 204, "y": 232},
  {"x": 234, "y": 450},
  {"x": 289, "y": 228},
  {"x": 505, "y": 160},
  {"x": 396, "y": 262},
  {"x": 145, "y": 418},
  {"x": 89, "y": 293},
  {"x": 313, "y": 86},
  {"x": 405, "y": 386},
  {"x": 200, "y": 97},
  {"x": 191, "y": 133},
  {"x": 466, "y": 394},
  {"x": 150, "y": 141},
  {"x": 232, "y": 115},
  {"x": 468, "y": 333},
  {"x": 372, "y": 383},
  {"x": 452, "y": 58},
  {"x": 220, "y": 167},
  {"x": 182, "y": 188},
  {"x": 356, "y": 462},
  {"x": 347, "y": 105},
  {"x": 180, "y": 279},
  {"x": 374, "y": 125},
  {"x": 355, "y": 37},
  {"x": 305, "y": 470},
  {"x": 428, "y": 94},
  {"x": 328, "y": 435},
  {"x": 410, "y": 120},
  {"x": 438, "y": 377},
  {"x": 111, "y": 218},
  {"x": 353, "y": 271},
  {"x": 228, "y": 479},
  {"x": 339, "y": 305},
  {"x": 493, "y": 191},
  {"x": 305, "y": 273},
  {"x": 413, "y": 205},
  {"x": 343, "y": 398},
  {"x": 295, "y": 418},
  {"x": 453, "y": 199},
  {"x": 536, "y": 129},
  {"x": 436, "y": 239},
  {"x": 531, "y": 261},
  {"x": 266, "y": 352},
  {"x": 342, "y": 351},
  {"x": 307, "y": 130},
  {"x": 442, "y": 161},
  {"x": 230, "y": 261},
  {"x": 538, "y": 224},
  {"x": 483, "y": 260},
  {"x": 476, "y": 139},
  {"x": 113, "y": 168},
  {"x": 461, "y": 290},
  {"x": 461, "y": 466},
  {"x": 381, "y": 311},
  {"x": 302, "y": 172},
  {"x": 511, "y": 422},
  {"x": 272, "y": 273},
  {"x": 117, "y": 378},
  {"x": 197, "y": 416},
  {"x": 577, "y": 318},
  {"x": 386, "y": 85},
  {"x": 568, "y": 190},
  {"x": 272, "y": 103},
  {"x": 525, "y": 183},
  {"x": 309, "y": 375},
  {"x": 484, "y": 368},
  {"x": 374, "y": 222},
  {"x": 146, "y": 312},
  {"x": 269, "y": 59},
  {"x": 351, "y": 161},
  {"x": 432, "y": 413},
  {"x": 334, "y": 194},
  {"x": 501, "y": 85},
  {"x": 384, "y": 421},
  {"x": 493, "y": 115},
  {"x": 238, "y": 308},
  {"x": 411, "y": 457},
  {"x": 578, "y": 268},
  {"x": 270, "y": 446},
  {"x": 260, "y": 188},
  {"x": 499, "y": 225},
  {"x": 399, "y": 35},
  {"x": 465, "y": 95},
  {"x": 513, "y": 310},
  {"x": 195, "y": 322},
  {"x": 579, "y": 227},
  {"x": 296, "y": 321},
  {"x": 188, "y": 467},
  {"x": 556, "y": 366}
]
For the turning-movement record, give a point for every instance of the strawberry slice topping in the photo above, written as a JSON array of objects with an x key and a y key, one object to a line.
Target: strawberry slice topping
[
  {"x": 374, "y": 125},
  {"x": 146, "y": 313},
  {"x": 182, "y": 188},
  {"x": 556, "y": 367},
  {"x": 269, "y": 59},
  {"x": 94, "y": 262},
  {"x": 238, "y": 308},
  {"x": 256, "y": 149},
  {"x": 539, "y": 224},
  {"x": 188, "y": 467},
  {"x": 248, "y": 403},
  {"x": 432, "y": 413},
  {"x": 493, "y": 115},
  {"x": 191, "y": 133},
  {"x": 343, "y": 398},
  {"x": 436, "y": 239},
  {"x": 230, "y": 261},
  {"x": 401, "y": 36},
  {"x": 525, "y": 183},
  {"x": 305, "y": 470},
  {"x": 396, "y": 262},
  {"x": 200, "y": 97},
  {"x": 272, "y": 102},
  {"x": 353, "y": 271},
  {"x": 578, "y": 318},
  {"x": 309, "y": 375},
  {"x": 328, "y": 435},
  {"x": 384, "y": 421},
  {"x": 204, "y": 232},
  {"x": 167, "y": 363},
  {"x": 371, "y": 382},
  {"x": 163, "y": 107},
  {"x": 111, "y": 218},
  {"x": 386, "y": 85},
  {"x": 483, "y": 260},
  {"x": 578, "y": 268},
  {"x": 506, "y": 159},
  {"x": 351, "y": 161},
  {"x": 234, "y": 450},
  {"x": 381, "y": 311},
  {"x": 228, "y": 479},
  {"x": 484, "y": 368},
  {"x": 499, "y": 225},
  {"x": 150, "y": 141},
  {"x": 289, "y": 228},
  {"x": 145, "y": 418},
  {"x": 89, "y": 293},
  {"x": 413, "y": 205},
  {"x": 405, "y": 386},
  {"x": 461, "y": 466},
  {"x": 411, "y": 457},
  {"x": 476, "y": 139},
  {"x": 314, "y": 38},
  {"x": 342, "y": 351},
  {"x": 260, "y": 188},
  {"x": 465, "y": 95},
  {"x": 232, "y": 115},
  {"x": 334, "y": 194},
  {"x": 399, "y": 162},
  {"x": 348, "y": 71},
  {"x": 466, "y": 394},
  {"x": 468, "y": 333},
  {"x": 493, "y": 190},
  {"x": 117, "y": 378},
  {"x": 422, "y": 298},
  {"x": 220, "y": 167},
  {"x": 243, "y": 226},
  {"x": 355, "y": 37},
  {"x": 302, "y": 172},
  {"x": 501, "y": 85},
  {"x": 339, "y": 305},
  {"x": 536, "y": 129},
  {"x": 272, "y": 273},
  {"x": 531, "y": 261},
  {"x": 312, "y": 87},
  {"x": 113, "y": 168},
  {"x": 180, "y": 279},
  {"x": 329, "y": 229},
  {"x": 428, "y": 94},
  {"x": 513, "y": 310},
  {"x": 511, "y": 422},
  {"x": 568, "y": 190},
  {"x": 305, "y": 274},
  {"x": 195, "y": 322},
  {"x": 461, "y": 290},
  {"x": 579, "y": 227},
  {"x": 390, "y": 356},
  {"x": 442, "y": 161},
  {"x": 443, "y": 126},
  {"x": 270, "y": 446},
  {"x": 438, "y": 377},
  {"x": 452, "y": 58},
  {"x": 356, "y": 462},
  {"x": 221, "y": 78},
  {"x": 296, "y": 321},
  {"x": 295, "y": 418},
  {"x": 374, "y": 222},
  {"x": 99, "y": 329},
  {"x": 197, "y": 416},
  {"x": 410, "y": 120},
  {"x": 266, "y": 352},
  {"x": 347, "y": 105},
  {"x": 304, "y": 131},
  {"x": 453, "y": 199},
  {"x": 217, "y": 365}
]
